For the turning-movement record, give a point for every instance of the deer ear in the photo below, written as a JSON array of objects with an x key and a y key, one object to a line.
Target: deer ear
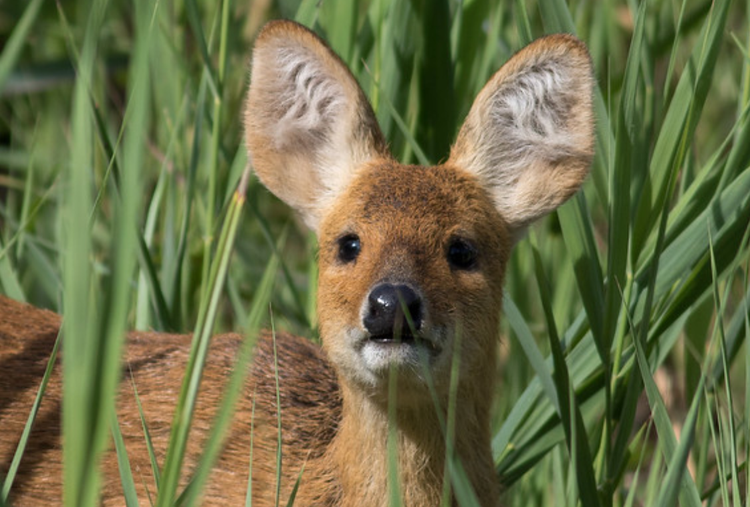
[
  {"x": 529, "y": 135},
  {"x": 308, "y": 124}
]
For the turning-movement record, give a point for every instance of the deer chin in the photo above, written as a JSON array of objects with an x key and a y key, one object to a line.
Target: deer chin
[{"x": 418, "y": 360}]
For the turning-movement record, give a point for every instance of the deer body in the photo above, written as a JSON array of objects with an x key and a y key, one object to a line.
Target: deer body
[{"x": 411, "y": 266}]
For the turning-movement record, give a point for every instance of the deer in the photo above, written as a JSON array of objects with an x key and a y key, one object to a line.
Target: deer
[{"x": 410, "y": 287}]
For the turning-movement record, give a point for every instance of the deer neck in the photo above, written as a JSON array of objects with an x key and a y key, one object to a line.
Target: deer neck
[{"x": 361, "y": 450}]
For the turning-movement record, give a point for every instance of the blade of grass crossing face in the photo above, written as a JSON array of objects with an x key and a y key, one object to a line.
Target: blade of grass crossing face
[{"x": 394, "y": 486}]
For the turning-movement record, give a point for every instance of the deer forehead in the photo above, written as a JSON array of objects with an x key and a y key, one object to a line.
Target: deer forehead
[{"x": 402, "y": 210}]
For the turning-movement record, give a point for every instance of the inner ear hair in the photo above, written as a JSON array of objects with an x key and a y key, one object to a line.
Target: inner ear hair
[
  {"x": 529, "y": 135},
  {"x": 308, "y": 124}
]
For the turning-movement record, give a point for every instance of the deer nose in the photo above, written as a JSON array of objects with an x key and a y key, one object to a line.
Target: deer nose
[{"x": 384, "y": 316}]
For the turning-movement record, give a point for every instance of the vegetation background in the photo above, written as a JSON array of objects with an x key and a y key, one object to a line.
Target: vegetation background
[{"x": 627, "y": 311}]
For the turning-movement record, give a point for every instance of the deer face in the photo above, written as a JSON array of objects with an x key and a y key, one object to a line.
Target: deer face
[{"x": 411, "y": 259}]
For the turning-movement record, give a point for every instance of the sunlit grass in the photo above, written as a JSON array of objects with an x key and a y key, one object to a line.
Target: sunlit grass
[{"x": 121, "y": 151}]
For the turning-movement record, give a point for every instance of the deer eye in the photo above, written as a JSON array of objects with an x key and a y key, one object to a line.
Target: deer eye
[
  {"x": 349, "y": 248},
  {"x": 462, "y": 254}
]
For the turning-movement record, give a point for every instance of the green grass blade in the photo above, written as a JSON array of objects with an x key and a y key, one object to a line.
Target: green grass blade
[
  {"x": 339, "y": 21},
  {"x": 295, "y": 488},
  {"x": 9, "y": 282},
  {"x": 680, "y": 121},
  {"x": 201, "y": 337},
  {"x": 173, "y": 278},
  {"x": 126, "y": 475},
  {"x": 147, "y": 438},
  {"x": 249, "y": 492},
  {"x": 279, "y": 434},
  {"x": 236, "y": 382},
  {"x": 14, "y": 44},
  {"x": 194, "y": 18},
  {"x": 688, "y": 492},
  {"x": 530, "y": 348},
  {"x": 79, "y": 422},
  {"x": 570, "y": 415},
  {"x": 307, "y": 12},
  {"x": 577, "y": 229},
  {"x": 10, "y": 476}
]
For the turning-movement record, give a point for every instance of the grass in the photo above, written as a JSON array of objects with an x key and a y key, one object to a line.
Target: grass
[{"x": 121, "y": 153}]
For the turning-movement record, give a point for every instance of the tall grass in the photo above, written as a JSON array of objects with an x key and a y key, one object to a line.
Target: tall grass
[{"x": 121, "y": 150}]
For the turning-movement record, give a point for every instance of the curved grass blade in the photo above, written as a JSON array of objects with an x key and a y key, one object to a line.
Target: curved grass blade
[
  {"x": 147, "y": 438},
  {"x": 201, "y": 338},
  {"x": 241, "y": 368},
  {"x": 126, "y": 474},
  {"x": 7, "y": 483},
  {"x": 688, "y": 492},
  {"x": 568, "y": 407}
]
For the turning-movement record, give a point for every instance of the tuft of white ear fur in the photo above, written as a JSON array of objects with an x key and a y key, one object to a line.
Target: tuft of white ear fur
[
  {"x": 529, "y": 135},
  {"x": 308, "y": 124}
]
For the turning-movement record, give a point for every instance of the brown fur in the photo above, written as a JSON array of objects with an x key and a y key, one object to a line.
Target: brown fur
[
  {"x": 525, "y": 147},
  {"x": 155, "y": 363}
]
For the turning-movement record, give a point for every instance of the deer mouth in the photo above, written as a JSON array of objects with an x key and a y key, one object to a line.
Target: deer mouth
[
  {"x": 412, "y": 354},
  {"x": 404, "y": 341},
  {"x": 386, "y": 339}
]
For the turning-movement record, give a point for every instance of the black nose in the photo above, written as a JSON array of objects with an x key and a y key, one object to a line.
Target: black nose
[{"x": 385, "y": 317}]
